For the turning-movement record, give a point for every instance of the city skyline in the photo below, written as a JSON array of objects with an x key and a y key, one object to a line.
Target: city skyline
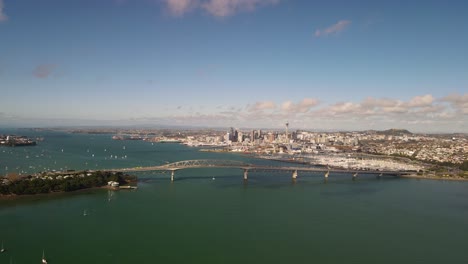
[{"x": 331, "y": 65}]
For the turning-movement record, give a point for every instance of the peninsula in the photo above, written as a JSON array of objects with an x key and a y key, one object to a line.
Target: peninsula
[{"x": 66, "y": 181}]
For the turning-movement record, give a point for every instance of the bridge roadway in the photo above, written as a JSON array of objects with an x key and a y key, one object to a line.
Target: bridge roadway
[{"x": 229, "y": 164}]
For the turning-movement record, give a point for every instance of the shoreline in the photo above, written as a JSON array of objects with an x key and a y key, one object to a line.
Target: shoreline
[
  {"x": 420, "y": 177},
  {"x": 11, "y": 197},
  {"x": 409, "y": 176}
]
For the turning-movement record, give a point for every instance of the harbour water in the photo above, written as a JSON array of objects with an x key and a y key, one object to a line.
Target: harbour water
[{"x": 212, "y": 216}]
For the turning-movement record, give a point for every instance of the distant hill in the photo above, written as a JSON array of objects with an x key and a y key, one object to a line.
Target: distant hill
[
  {"x": 394, "y": 132},
  {"x": 390, "y": 132}
]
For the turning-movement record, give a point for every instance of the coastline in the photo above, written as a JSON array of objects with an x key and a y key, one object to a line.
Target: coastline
[
  {"x": 6, "y": 197},
  {"x": 11, "y": 197},
  {"x": 409, "y": 176},
  {"x": 420, "y": 177}
]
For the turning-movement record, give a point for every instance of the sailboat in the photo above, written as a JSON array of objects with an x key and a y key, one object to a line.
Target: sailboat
[
  {"x": 85, "y": 213},
  {"x": 44, "y": 261},
  {"x": 2, "y": 249}
]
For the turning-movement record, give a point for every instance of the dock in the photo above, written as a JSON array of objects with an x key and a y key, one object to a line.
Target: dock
[{"x": 127, "y": 187}]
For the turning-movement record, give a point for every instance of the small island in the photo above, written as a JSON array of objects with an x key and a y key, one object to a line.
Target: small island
[{"x": 55, "y": 182}]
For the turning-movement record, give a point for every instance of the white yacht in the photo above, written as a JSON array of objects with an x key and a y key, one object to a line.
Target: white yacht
[{"x": 44, "y": 261}]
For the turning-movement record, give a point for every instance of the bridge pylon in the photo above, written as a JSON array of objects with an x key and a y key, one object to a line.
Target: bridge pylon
[{"x": 294, "y": 174}]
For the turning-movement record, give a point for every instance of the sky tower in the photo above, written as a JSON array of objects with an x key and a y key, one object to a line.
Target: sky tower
[{"x": 287, "y": 127}]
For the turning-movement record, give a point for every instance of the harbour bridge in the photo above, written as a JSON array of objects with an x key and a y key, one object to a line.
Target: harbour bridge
[{"x": 246, "y": 167}]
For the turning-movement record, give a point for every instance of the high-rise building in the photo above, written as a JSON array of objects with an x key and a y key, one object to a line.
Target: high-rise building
[
  {"x": 294, "y": 135},
  {"x": 271, "y": 137},
  {"x": 232, "y": 134}
]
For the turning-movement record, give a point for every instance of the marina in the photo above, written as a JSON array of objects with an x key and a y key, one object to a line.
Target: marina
[{"x": 17, "y": 141}]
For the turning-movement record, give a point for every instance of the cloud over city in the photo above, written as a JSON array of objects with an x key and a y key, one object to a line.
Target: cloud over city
[
  {"x": 422, "y": 113},
  {"x": 421, "y": 106},
  {"x": 260, "y": 106},
  {"x": 419, "y": 113},
  {"x": 302, "y": 107},
  {"x": 458, "y": 102}
]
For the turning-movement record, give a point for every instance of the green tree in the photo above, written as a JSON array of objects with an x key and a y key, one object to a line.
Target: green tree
[{"x": 464, "y": 166}]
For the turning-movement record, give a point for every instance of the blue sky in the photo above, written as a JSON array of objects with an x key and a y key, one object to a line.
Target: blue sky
[{"x": 244, "y": 63}]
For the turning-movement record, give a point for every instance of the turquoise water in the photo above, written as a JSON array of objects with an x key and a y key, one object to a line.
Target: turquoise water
[{"x": 196, "y": 219}]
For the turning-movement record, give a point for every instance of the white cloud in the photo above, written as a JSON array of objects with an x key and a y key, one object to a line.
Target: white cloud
[
  {"x": 433, "y": 108},
  {"x": 388, "y": 105},
  {"x": 333, "y": 29},
  {"x": 287, "y": 106},
  {"x": 458, "y": 102},
  {"x": 223, "y": 8},
  {"x": 264, "y": 105},
  {"x": 421, "y": 101},
  {"x": 422, "y": 113},
  {"x": 399, "y": 108},
  {"x": 445, "y": 115},
  {"x": 371, "y": 102},
  {"x": 3, "y": 16},
  {"x": 343, "y": 108},
  {"x": 217, "y": 8},
  {"x": 417, "y": 107},
  {"x": 180, "y": 7},
  {"x": 302, "y": 107}
]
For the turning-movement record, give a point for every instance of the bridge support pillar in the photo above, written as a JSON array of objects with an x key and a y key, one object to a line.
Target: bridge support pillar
[
  {"x": 294, "y": 174},
  {"x": 246, "y": 172},
  {"x": 172, "y": 176}
]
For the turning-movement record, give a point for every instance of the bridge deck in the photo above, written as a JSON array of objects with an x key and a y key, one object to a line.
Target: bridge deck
[{"x": 252, "y": 168}]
